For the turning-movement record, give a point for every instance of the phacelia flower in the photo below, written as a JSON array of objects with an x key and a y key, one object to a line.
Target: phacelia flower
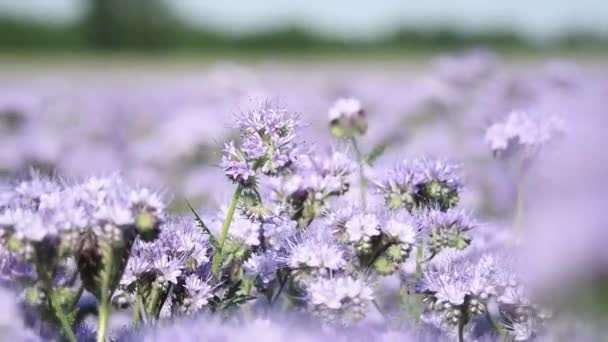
[
  {"x": 523, "y": 130},
  {"x": 347, "y": 118},
  {"x": 316, "y": 179},
  {"x": 343, "y": 300},
  {"x": 268, "y": 144},
  {"x": 459, "y": 289},
  {"x": 262, "y": 267},
  {"x": 421, "y": 183},
  {"x": 449, "y": 229}
]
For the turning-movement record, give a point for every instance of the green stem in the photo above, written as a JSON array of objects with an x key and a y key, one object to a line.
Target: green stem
[
  {"x": 362, "y": 180},
  {"x": 137, "y": 308},
  {"x": 419, "y": 258},
  {"x": 104, "y": 301},
  {"x": 461, "y": 331},
  {"x": 217, "y": 256},
  {"x": 519, "y": 209},
  {"x": 63, "y": 320},
  {"x": 153, "y": 302}
]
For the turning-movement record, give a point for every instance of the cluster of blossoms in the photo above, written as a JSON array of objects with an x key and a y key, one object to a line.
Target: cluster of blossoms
[
  {"x": 465, "y": 293},
  {"x": 380, "y": 239},
  {"x": 76, "y": 235},
  {"x": 292, "y": 239},
  {"x": 267, "y": 146},
  {"x": 521, "y": 129},
  {"x": 445, "y": 229},
  {"x": 172, "y": 270},
  {"x": 316, "y": 178},
  {"x": 420, "y": 183}
]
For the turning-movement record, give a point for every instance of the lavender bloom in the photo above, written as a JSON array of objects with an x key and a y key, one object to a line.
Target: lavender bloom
[
  {"x": 236, "y": 166},
  {"x": 359, "y": 230},
  {"x": 459, "y": 289},
  {"x": 522, "y": 129},
  {"x": 173, "y": 262},
  {"x": 198, "y": 295},
  {"x": 262, "y": 267},
  {"x": 420, "y": 183},
  {"x": 347, "y": 118},
  {"x": 267, "y": 144},
  {"x": 342, "y": 300},
  {"x": 449, "y": 229},
  {"x": 315, "y": 254},
  {"x": 316, "y": 179}
]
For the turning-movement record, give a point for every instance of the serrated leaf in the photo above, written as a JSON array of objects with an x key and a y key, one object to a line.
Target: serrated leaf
[
  {"x": 374, "y": 154},
  {"x": 203, "y": 226}
]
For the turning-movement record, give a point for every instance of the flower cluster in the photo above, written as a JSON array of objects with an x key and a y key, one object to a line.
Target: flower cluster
[
  {"x": 172, "y": 270},
  {"x": 292, "y": 241},
  {"x": 49, "y": 222},
  {"x": 267, "y": 145},
  {"x": 445, "y": 229},
  {"x": 317, "y": 178},
  {"x": 420, "y": 183},
  {"x": 521, "y": 129},
  {"x": 383, "y": 240}
]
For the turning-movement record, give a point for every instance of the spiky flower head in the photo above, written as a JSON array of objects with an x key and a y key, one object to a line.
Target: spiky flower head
[
  {"x": 347, "y": 118},
  {"x": 262, "y": 267},
  {"x": 458, "y": 288},
  {"x": 174, "y": 261},
  {"x": 342, "y": 300},
  {"x": 317, "y": 178},
  {"x": 268, "y": 144},
  {"x": 440, "y": 182},
  {"x": 315, "y": 254},
  {"x": 445, "y": 229},
  {"x": 421, "y": 183},
  {"x": 198, "y": 294}
]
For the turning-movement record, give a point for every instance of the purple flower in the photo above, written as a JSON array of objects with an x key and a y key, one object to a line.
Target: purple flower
[{"x": 449, "y": 229}]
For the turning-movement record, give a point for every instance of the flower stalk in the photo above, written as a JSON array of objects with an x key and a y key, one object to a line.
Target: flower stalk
[
  {"x": 104, "y": 301},
  {"x": 362, "y": 179},
  {"x": 217, "y": 256}
]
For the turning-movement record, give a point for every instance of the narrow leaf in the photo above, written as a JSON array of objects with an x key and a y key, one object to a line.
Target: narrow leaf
[
  {"x": 203, "y": 226},
  {"x": 374, "y": 154}
]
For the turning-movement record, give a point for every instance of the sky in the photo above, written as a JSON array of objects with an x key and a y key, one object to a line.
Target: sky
[{"x": 361, "y": 18}]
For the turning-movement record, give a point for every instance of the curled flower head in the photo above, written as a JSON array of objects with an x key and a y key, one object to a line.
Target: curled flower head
[
  {"x": 347, "y": 118},
  {"x": 421, "y": 183},
  {"x": 445, "y": 229}
]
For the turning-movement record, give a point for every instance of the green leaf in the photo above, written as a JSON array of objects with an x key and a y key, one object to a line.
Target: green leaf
[
  {"x": 374, "y": 154},
  {"x": 203, "y": 226}
]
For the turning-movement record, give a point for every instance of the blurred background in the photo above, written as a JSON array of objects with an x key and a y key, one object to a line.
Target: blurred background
[{"x": 239, "y": 27}]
